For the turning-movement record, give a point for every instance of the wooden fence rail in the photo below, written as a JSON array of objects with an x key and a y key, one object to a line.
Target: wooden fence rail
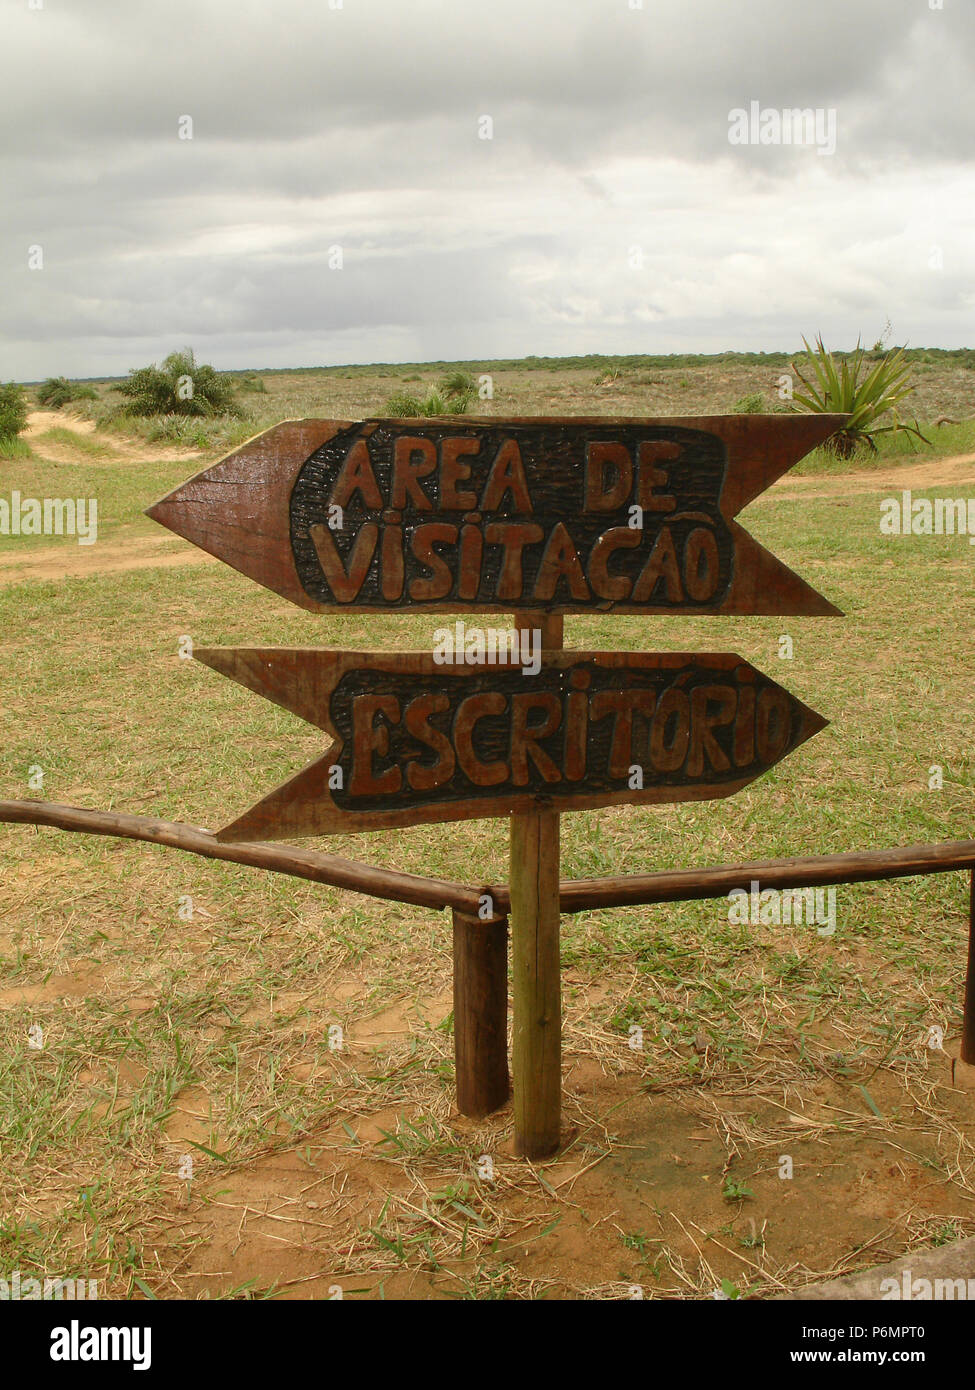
[
  {"x": 575, "y": 895},
  {"x": 480, "y": 971},
  {"x": 279, "y": 859},
  {"x": 683, "y": 885}
]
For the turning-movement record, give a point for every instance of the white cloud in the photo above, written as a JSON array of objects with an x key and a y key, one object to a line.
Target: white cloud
[{"x": 358, "y": 127}]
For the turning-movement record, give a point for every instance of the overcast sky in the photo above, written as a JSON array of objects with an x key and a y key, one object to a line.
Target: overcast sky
[{"x": 609, "y": 212}]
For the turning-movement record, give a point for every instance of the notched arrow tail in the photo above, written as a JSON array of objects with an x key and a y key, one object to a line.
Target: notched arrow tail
[
  {"x": 296, "y": 679},
  {"x": 301, "y": 806},
  {"x": 764, "y": 585}
]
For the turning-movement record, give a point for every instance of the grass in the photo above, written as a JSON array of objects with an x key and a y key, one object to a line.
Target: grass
[
  {"x": 637, "y": 384},
  {"x": 120, "y": 491},
  {"x": 85, "y": 444},
  {"x": 166, "y": 1034},
  {"x": 895, "y": 448},
  {"x": 15, "y": 448}
]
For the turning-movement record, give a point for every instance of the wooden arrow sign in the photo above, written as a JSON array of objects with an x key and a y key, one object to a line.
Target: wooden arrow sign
[
  {"x": 416, "y": 740},
  {"x": 461, "y": 514}
]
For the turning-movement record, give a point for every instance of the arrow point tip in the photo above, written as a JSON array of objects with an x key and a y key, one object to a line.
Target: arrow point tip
[
  {"x": 813, "y": 723},
  {"x": 164, "y": 512},
  {"x": 812, "y": 604}
]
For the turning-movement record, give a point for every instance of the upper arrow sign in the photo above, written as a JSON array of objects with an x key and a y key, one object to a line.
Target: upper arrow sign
[
  {"x": 458, "y": 514},
  {"x": 419, "y": 740}
]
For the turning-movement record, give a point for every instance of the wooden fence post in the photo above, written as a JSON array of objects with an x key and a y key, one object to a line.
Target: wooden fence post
[
  {"x": 480, "y": 1013},
  {"x": 968, "y": 1021},
  {"x": 536, "y": 968}
]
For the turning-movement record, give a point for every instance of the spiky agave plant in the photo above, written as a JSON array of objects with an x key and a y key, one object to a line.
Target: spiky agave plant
[{"x": 842, "y": 392}]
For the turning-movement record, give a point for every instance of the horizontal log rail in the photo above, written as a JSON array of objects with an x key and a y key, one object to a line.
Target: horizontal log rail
[
  {"x": 684, "y": 885},
  {"x": 482, "y": 986},
  {"x": 279, "y": 859},
  {"x": 575, "y": 895}
]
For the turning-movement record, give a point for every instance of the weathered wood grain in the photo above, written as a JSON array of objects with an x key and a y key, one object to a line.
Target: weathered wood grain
[
  {"x": 536, "y": 972},
  {"x": 370, "y": 879},
  {"x": 814, "y": 871},
  {"x": 417, "y": 742},
  {"x": 461, "y": 514},
  {"x": 233, "y": 509},
  {"x": 575, "y": 895},
  {"x": 480, "y": 1014}
]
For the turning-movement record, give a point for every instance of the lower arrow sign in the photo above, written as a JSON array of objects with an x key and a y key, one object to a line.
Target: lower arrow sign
[{"x": 418, "y": 741}]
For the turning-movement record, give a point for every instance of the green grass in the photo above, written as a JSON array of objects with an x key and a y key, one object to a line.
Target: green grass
[
  {"x": 15, "y": 449},
  {"x": 93, "y": 691},
  {"x": 120, "y": 491},
  {"x": 636, "y": 383},
  {"x": 92, "y": 446},
  {"x": 895, "y": 448}
]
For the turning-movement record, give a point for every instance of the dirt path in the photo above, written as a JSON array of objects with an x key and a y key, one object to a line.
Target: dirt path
[
  {"x": 70, "y": 561},
  {"x": 40, "y": 420},
  {"x": 118, "y": 448},
  {"x": 957, "y": 471}
]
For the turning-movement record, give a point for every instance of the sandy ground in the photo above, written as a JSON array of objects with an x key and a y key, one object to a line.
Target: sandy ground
[
  {"x": 81, "y": 561},
  {"x": 633, "y": 1205},
  {"x": 957, "y": 471},
  {"x": 118, "y": 448},
  {"x": 41, "y": 420}
]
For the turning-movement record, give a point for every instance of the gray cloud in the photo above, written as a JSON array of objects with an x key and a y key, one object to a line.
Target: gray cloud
[{"x": 359, "y": 127}]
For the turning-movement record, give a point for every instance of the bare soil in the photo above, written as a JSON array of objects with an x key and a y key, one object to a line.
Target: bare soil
[{"x": 676, "y": 1173}]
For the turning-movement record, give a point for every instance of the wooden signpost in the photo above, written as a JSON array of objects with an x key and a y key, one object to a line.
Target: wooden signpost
[
  {"x": 461, "y": 515},
  {"x": 543, "y": 517},
  {"x": 419, "y": 741}
]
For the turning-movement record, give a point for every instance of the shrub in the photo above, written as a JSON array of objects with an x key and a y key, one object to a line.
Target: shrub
[
  {"x": 866, "y": 401},
  {"x": 180, "y": 386},
  {"x": 608, "y": 376},
  {"x": 750, "y": 405},
  {"x": 58, "y": 391},
  {"x": 403, "y": 405},
  {"x": 253, "y": 382},
  {"x": 456, "y": 384},
  {"x": 13, "y": 410}
]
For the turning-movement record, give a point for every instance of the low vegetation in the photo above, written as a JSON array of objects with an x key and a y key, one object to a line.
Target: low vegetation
[
  {"x": 867, "y": 394},
  {"x": 58, "y": 391},
  {"x": 453, "y": 395},
  {"x": 181, "y": 386},
  {"x": 404, "y": 405},
  {"x": 752, "y": 404},
  {"x": 252, "y": 382},
  {"x": 457, "y": 385},
  {"x": 13, "y": 411}
]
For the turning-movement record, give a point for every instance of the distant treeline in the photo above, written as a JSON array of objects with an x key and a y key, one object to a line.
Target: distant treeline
[{"x": 637, "y": 361}]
